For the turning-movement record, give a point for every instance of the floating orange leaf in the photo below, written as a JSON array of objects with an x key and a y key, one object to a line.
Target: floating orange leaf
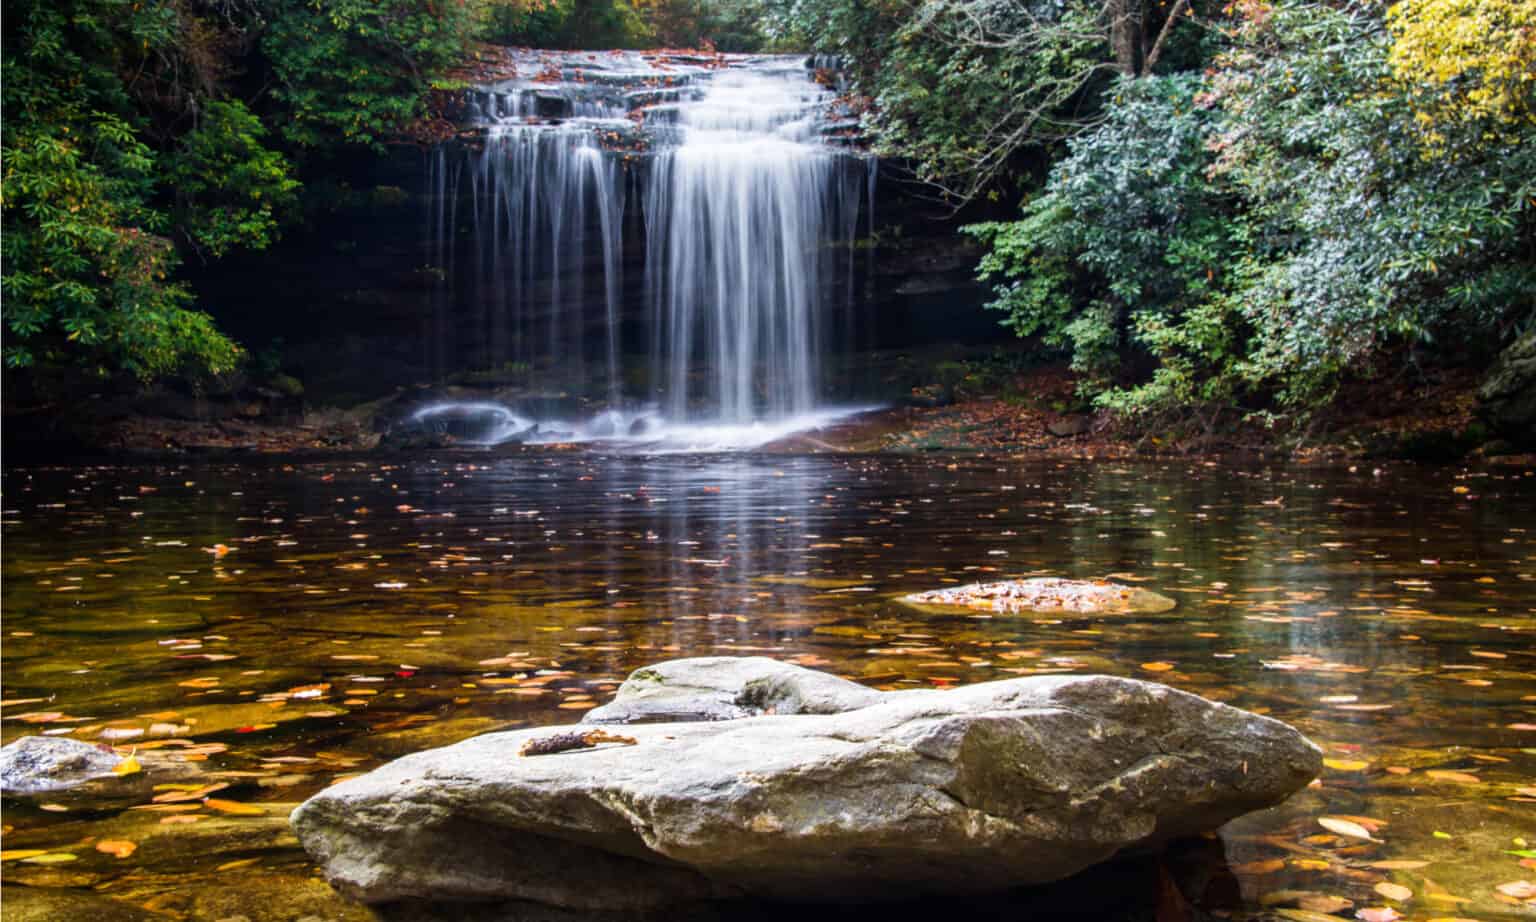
[
  {"x": 1457, "y": 777},
  {"x": 234, "y": 807},
  {"x": 118, "y": 848}
]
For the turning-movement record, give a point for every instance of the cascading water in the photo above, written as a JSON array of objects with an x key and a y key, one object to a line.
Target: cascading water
[
  {"x": 743, "y": 201},
  {"x": 739, "y": 209}
]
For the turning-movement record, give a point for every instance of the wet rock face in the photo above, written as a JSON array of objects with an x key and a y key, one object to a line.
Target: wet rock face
[
  {"x": 975, "y": 790},
  {"x": 1088, "y": 597},
  {"x": 1507, "y": 396}
]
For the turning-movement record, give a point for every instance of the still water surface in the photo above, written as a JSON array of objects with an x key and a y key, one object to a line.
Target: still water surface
[{"x": 284, "y": 625}]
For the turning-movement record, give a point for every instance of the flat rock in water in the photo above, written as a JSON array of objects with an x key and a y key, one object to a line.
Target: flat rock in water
[
  {"x": 56, "y": 768},
  {"x": 979, "y": 789},
  {"x": 1049, "y": 594},
  {"x": 728, "y": 688},
  {"x": 36, "y": 766}
]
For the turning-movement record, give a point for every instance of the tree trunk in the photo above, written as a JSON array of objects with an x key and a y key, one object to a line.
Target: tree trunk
[{"x": 1125, "y": 35}]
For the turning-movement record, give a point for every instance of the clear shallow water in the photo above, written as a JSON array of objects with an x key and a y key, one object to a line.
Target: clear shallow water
[{"x": 367, "y": 609}]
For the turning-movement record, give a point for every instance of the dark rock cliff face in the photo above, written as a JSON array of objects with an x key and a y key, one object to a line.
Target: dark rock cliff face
[
  {"x": 385, "y": 287},
  {"x": 1507, "y": 397}
]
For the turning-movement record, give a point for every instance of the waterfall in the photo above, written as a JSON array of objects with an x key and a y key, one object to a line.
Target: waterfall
[{"x": 746, "y": 213}]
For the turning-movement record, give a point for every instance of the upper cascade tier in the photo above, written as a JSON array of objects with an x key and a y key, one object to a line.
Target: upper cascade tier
[{"x": 642, "y": 99}]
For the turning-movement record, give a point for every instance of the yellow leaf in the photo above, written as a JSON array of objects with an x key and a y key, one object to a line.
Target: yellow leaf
[
  {"x": 17, "y": 854},
  {"x": 128, "y": 766},
  {"x": 1346, "y": 765},
  {"x": 50, "y": 858},
  {"x": 234, "y": 808}
]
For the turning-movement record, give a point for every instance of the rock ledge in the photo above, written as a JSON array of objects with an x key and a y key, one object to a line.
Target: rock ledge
[{"x": 979, "y": 789}]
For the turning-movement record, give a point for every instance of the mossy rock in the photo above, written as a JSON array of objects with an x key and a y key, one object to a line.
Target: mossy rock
[{"x": 287, "y": 385}]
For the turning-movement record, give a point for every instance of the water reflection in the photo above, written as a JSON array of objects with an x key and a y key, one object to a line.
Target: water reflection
[{"x": 294, "y": 623}]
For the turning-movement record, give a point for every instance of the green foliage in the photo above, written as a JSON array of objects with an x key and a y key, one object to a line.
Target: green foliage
[
  {"x": 539, "y": 25},
  {"x": 357, "y": 71},
  {"x": 966, "y": 91},
  {"x": 86, "y": 259},
  {"x": 229, "y": 188},
  {"x": 958, "y": 97},
  {"x": 1126, "y": 248},
  {"x": 1264, "y": 231},
  {"x": 725, "y": 25},
  {"x": 1366, "y": 231}
]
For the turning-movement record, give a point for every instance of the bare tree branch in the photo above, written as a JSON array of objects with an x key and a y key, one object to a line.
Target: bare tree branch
[{"x": 1162, "y": 37}]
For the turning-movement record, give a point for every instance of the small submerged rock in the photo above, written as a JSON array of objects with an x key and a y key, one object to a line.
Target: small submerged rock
[
  {"x": 1049, "y": 594},
  {"x": 57, "y": 768},
  {"x": 924, "y": 792},
  {"x": 39, "y": 766}
]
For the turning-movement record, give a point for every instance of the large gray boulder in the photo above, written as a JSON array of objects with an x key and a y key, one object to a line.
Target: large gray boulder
[
  {"x": 1507, "y": 396},
  {"x": 979, "y": 789},
  {"x": 728, "y": 688}
]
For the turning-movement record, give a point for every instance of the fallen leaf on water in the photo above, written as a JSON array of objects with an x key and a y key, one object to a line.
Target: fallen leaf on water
[
  {"x": 117, "y": 848},
  {"x": 1281, "y": 897},
  {"x": 1346, "y": 765},
  {"x": 1433, "y": 891},
  {"x": 1458, "y": 777},
  {"x": 239, "y": 863},
  {"x": 1307, "y": 915},
  {"x": 17, "y": 854},
  {"x": 1398, "y": 865},
  {"x": 178, "y": 818},
  {"x": 1345, "y": 828},
  {"x": 1323, "y": 902},
  {"x": 50, "y": 858},
  {"x": 1266, "y": 866},
  {"x": 1157, "y": 667},
  {"x": 233, "y": 807},
  {"x": 128, "y": 766},
  {"x": 1378, "y": 914},
  {"x": 1519, "y": 889},
  {"x": 1394, "y": 891}
]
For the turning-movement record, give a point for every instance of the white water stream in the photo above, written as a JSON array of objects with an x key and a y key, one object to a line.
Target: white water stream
[{"x": 722, "y": 171}]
